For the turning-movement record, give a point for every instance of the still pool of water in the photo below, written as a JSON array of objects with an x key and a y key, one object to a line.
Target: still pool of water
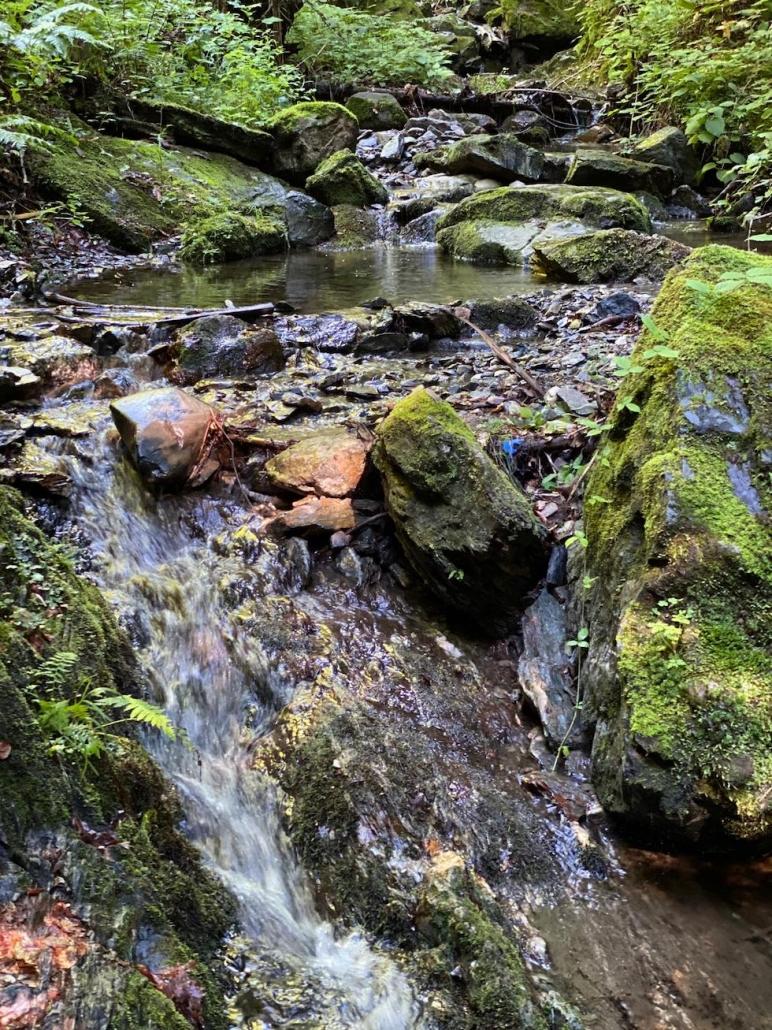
[{"x": 312, "y": 281}]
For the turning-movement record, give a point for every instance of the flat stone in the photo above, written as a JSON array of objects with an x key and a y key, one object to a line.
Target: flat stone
[
  {"x": 326, "y": 514},
  {"x": 329, "y": 463}
]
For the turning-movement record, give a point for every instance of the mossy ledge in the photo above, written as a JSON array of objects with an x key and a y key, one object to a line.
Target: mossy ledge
[
  {"x": 155, "y": 887},
  {"x": 679, "y": 674}
]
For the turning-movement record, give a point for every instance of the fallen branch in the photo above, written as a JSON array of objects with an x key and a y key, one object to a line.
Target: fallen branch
[
  {"x": 255, "y": 310},
  {"x": 533, "y": 385}
]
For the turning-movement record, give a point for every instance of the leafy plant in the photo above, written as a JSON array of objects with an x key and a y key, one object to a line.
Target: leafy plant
[
  {"x": 81, "y": 724},
  {"x": 352, "y": 46}
]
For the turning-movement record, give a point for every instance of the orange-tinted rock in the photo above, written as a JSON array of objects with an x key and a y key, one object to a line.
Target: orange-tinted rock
[
  {"x": 326, "y": 514},
  {"x": 330, "y": 463}
]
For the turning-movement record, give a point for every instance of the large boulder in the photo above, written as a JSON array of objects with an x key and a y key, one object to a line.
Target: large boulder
[
  {"x": 221, "y": 345},
  {"x": 602, "y": 168},
  {"x": 229, "y": 236},
  {"x": 329, "y": 463},
  {"x": 503, "y": 157},
  {"x": 308, "y": 222},
  {"x": 608, "y": 254},
  {"x": 503, "y": 226},
  {"x": 307, "y": 133},
  {"x": 164, "y": 432},
  {"x": 678, "y": 677},
  {"x": 343, "y": 179},
  {"x": 550, "y": 21},
  {"x": 669, "y": 147},
  {"x": 465, "y": 527},
  {"x": 376, "y": 110}
]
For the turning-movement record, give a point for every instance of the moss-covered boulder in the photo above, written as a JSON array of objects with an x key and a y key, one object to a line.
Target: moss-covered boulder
[
  {"x": 307, "y": 133},
  {"x": 607, "y": 255},
  {"x": 86, "y": 912},
  {"x": 670, "y": 147},
  {"x": 602, "y": 168},
  {"x": 376, "y": 110},
  {"x": 467, "y": 530},
  {"x": 678, "y": 673},
  {"x": 546, "y": 20},
  {"x": 343, "y": 179},
  {"x": 504, "y": 226},
  {"x": 230, "y": 236},
  {"x": 136, "y": 193},
  {"x": 503, "y": 157}
]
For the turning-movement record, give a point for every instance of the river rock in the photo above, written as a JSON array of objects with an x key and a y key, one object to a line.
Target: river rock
[
  {"x": 376, "y": 110},
  {"x": 308, "y": 222},
  {"x": 329, "y": 463},
  {"x": 609, "y": 254},
  {"x": 602, "y": 168},
  {"x": 55, "y": 360},
  {"x": 355, "y": 227},
  {"x": 316, "y": 515},
  {"x": 540, "y": 21},
  {"x": 342, "y": 179},
  {"x": 221, "y": 345},
  {"x": 502, "y": 226},
  {"x": 503, "y": 157},
  {"x": 164, "y": 433},
  {"x": 323, "y": 332},
  {"x": 677, "y": 674},
  {"x": 668, "y": 146},
  {"x": 17, "y": 383},
  {"x": 230, "y": 236},
  {"x": 512, "y": 312},
  {"x": 466, "y": 529},
  {"x": 309, "y": 132}
]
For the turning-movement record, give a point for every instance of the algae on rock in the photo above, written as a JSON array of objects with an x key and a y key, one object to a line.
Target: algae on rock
[
  {"x": 607, "y": 255},
  {"x": 343, "y": 179},
  {"x": 678, "y": 673}
]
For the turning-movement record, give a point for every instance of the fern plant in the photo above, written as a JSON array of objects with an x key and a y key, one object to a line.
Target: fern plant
[{"x": 82, "y": 724}]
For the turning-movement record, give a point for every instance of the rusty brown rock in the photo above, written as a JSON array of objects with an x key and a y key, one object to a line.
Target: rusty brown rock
[{"x": 330, "y": 463}]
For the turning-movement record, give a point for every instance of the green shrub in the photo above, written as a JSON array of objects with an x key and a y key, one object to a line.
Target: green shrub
[
  {"x": 704, "y": 63},
  {"x": 353, "y": 47}
]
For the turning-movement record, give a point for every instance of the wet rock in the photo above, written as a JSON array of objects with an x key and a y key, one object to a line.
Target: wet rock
[
  {"x": 617, "y": 305},
  {"x": 115, "y": 382},
  {"x": 669, "y": 147},
  {"x": 322, "y": 332},
  {"x": 393, "y": 148},
  {"x": 512, "y": 312},
  {"x": 342, "y": 179},
  {"x": 222, "y": 345},
  {"x": 608, "y": 255},
  {"x": 434, "y": 321},
  {"x": 309, "y": 223},
  {"x": 307, "y": 133},
  {"x": 375, "y": 110},
  {"x": 545, "y": 670},
  {"x": 674, "y": 674},
  {"x": 164, "y": 433},
  {"x": 467, "y": 530},
  {"x": 602, "y": 168},
  {"x": 56, "y": 360},
  {"x": 355, "y": 227},
  {"x": 422, "y": 229},
  {"x": 331, "y": 462},
  {"x": 316, "y": 515},
  {"x": 503, "y": 157},
  {"x": 571, "y": 399},
  {"x": 17, "y": 383},
  {"x": 685, "y": 202}
]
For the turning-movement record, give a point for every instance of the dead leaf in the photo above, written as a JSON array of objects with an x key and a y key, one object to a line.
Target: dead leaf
[{"x": 5, "y": 750}]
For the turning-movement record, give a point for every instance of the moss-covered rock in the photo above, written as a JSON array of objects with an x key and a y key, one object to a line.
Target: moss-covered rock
[
  {"x": 607, "y": 255},
  {"x": 343, "y": 179},
  {"x": 500, "y": 243},
  {"x": 669, "y": 147},
  {"x": 377, "y": 111},
  {"x": 229, "y": 236},
  {"x": 355, "y": 227},
  {"x": 154, "y": 888},
  {"x": 678, "y": 672},
  {"x": 597, "y": 207},
  {"x": 307, "y": 133},
  {"x": 602, "y": 168},
  {"x": 467, "y": 530},
  {"x": 136, "y": 193}
]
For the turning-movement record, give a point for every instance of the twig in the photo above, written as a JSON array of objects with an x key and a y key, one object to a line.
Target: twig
[{"x": 534, "y": 386}]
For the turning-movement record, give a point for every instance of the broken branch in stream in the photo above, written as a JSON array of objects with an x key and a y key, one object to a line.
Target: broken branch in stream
[{"x": 533, "y": 385}]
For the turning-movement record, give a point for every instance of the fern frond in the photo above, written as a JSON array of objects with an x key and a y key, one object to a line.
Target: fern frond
[{"x": 138, "y": 710}]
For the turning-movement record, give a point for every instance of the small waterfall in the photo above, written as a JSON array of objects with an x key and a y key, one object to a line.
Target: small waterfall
[{"x": 152, "y": 564}]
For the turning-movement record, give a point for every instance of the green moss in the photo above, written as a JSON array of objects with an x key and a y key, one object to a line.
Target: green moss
[
  {"x": 343, "y": 179},
  {"x": 677, "y": 526},
  {"x": 540, "y": 19},
  {"x": 594, "y": 205},
  {"x": 229, "y": 236},
  {"x": 376, "y": 111},
  {"x": 610, "y": 254},
  {"x": 297, "y": 117},
  {"x": 134, "y": 193},
  {"x": 138, "y": 1005}
]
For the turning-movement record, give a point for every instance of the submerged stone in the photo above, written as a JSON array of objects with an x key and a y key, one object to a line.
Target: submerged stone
[
  {"x": 467, "y": 530},
  {"x": 164, "y": 433},
  {"x": 678, "y": 675}
]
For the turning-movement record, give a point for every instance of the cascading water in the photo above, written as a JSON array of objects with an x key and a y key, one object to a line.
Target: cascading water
[{"x": 153, "y": 565}]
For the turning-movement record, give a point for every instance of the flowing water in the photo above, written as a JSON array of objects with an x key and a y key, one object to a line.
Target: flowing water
[{"x": 154, "y": 567}]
